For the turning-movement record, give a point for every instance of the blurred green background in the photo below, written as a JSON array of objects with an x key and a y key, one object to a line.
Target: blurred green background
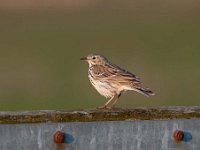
[{"x": 41, "y": 43}]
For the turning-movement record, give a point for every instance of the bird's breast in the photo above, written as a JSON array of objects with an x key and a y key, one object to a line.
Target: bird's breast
[{"x": 104, "y": 88}]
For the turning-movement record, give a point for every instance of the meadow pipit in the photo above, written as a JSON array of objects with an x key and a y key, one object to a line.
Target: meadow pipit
[{"x": 110, "y": 80}]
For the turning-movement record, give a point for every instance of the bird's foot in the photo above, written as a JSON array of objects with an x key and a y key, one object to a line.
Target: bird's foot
[{"x": 104, "y": 107}]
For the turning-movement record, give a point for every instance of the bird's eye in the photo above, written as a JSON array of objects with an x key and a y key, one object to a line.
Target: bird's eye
[{"x": 94, "y": 57}]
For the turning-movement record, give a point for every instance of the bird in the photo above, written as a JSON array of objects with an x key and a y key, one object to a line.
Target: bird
[{"x": 111, "y": 81}]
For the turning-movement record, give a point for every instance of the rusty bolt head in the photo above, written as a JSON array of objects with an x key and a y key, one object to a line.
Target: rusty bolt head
[
  {"x": 178, "y": 135},
  {"x": 58, "y": 137}
]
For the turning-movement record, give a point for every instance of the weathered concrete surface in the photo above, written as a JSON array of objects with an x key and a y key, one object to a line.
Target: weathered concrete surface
[
  {"x": 106, "y": 135},
  {"x": 100, "y": 115},
  {"x": 118, "y": 129}
]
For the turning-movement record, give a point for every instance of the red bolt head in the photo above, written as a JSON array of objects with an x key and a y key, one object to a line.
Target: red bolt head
[
  {"x": 58, "y": 137},
  {"x": 178, "y": 135}
]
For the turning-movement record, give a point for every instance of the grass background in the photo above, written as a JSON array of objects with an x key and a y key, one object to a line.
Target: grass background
[{"x": 41, "y": 43}]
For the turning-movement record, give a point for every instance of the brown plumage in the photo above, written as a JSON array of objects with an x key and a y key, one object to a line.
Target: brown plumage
[{"x": 110, "y": 80}]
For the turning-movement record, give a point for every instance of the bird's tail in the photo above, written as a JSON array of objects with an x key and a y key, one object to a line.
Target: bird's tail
[{"x": 145, "y": 91}]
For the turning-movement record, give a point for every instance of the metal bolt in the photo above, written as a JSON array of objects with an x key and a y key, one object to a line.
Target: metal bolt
[
  {"x": 178, "y": 135},
  {"x": 58, "y": 137}
]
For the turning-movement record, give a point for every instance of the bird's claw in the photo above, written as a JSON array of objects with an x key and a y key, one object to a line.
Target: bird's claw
[{"x": 104, "y": 107}]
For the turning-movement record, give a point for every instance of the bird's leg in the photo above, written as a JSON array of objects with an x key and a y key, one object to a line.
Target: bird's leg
[
  {"x": 115, "y": 101},
  {"x": 105, "y": 105}
]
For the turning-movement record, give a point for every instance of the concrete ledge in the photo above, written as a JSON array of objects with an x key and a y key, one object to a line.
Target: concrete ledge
[{"x": 117, "y": 114}]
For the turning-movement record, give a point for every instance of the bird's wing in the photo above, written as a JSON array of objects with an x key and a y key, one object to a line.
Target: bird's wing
[{"x": 114, "y": 73}]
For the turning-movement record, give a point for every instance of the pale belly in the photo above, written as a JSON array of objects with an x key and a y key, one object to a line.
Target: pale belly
[{"x": 104, "y": 88}]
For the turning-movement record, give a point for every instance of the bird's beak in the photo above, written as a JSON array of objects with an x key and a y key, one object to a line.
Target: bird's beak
[{"x": 83, "y": 58}]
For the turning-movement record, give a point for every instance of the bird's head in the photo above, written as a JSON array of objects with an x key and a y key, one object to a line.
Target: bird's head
[{"x": 95, "y": 59}]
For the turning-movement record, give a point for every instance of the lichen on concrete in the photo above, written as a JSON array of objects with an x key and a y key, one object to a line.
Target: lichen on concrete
[{"x": 88, "y": 115}]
